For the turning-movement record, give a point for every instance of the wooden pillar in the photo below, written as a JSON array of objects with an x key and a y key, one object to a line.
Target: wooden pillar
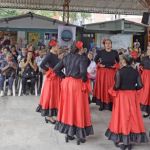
[
  {"x": 148, "y": 34},
  {"x": 66, "y": 11}
]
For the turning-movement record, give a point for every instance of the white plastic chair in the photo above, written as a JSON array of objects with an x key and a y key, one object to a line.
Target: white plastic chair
[
  {"x": 28, "y": 81},
  {"x": 13, "y": 87},
  {"x": 39, "y": 81}
]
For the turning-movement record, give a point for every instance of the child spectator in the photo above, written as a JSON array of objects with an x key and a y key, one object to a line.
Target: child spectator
[{"x": 92, "y": 67}]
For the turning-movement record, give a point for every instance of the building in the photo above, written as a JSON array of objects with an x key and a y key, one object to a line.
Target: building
[
  {"x": 30, "y": 28},
  {"x": 122, "y": 33}
]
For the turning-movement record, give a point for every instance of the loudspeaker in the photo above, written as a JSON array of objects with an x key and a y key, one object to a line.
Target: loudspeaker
[{"x": 146, "y": 18}]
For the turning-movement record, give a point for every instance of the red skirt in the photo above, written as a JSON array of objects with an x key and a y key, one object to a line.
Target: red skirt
[
  {"x": 74, "y": 116},
  {"x": 145, "y": 91},
  {"x": 104, "y": 81},
  {"x": 50, "y": 95},
  {"x": 126, "y": 123}
]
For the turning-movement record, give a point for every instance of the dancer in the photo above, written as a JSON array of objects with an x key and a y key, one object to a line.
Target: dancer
[
  {"x": 50, "y": 93},
  {"x": 106, "y": 67},
  {"x": 145, "y": 92},
  {"x": 74, "y": 113},
  {"x": 126, "y": 125}
]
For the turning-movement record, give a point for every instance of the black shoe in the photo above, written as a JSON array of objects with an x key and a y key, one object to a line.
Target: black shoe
[
  {"x": 101, "y": 108},
  {"x": 49, "y": 121},
  {"x": 67, "y": 138},
  {"x": 46, "y": 120},
  {"x": 146, "y": 115},
  {"x": 71, "y": 137},
  {"x": 39, "y": 92},
  {"x": 80, "y": 141},
  {"x": 129, "y": 147},
  {"x": 24, "y": 94},
  {"x": 122, "y": 146},
  {"x": 116, "y": 144},
  {"x": 32, "y": 92}
]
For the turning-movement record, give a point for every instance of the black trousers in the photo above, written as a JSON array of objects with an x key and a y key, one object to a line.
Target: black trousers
[
  {"x": 40, "y": 82},
  {"x": 24, "y": 83}
]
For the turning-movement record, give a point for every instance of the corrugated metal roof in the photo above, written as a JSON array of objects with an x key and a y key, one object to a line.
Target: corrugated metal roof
[
  {"x": 30, "y": 14},
  {"x": 97, "y": 6},
  {"x": 112, "y": 21},
  {"x": 115, "y": 26}
]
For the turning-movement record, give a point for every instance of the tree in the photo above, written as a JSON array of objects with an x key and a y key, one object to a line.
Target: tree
[
  {"x": 74, "y": 16},
  {"x": 77, "y": 17},
  {"x": 8, "y": 12}
]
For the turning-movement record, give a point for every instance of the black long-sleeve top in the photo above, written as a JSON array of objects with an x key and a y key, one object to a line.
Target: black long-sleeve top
[
  {"x": 146, "y": 63},
  {"x": 74, "y": 66},
  {"x": 85, "y": 59},
  {"x": 50, "y": 61},
  {"x": 107, "y": 58},
  {"x": 127, "y": 78}
]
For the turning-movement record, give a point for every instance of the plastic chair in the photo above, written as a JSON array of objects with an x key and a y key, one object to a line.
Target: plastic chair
[
  {"x": 13, "y": 87},
  {"x": 28, "y": 81}
]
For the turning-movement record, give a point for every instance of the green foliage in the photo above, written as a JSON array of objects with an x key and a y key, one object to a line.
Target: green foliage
[
  {"x": 74, "y": 16},
  {"x": 8, "y": 12},
  {"x": 44, "y": 13}
]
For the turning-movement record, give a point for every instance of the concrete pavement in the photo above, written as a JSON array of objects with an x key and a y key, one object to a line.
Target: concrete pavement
[{"x": 21, "y": 128}]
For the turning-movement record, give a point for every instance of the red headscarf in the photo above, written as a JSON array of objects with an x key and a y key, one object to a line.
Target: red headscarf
[
  {"x": 134, "y": 54},
  {"x": 52, "y": 43},
  {"x": 79, "y": 44}
]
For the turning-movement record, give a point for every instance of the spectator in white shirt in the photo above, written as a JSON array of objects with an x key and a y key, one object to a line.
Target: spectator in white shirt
[
  {"x": 92, "y": 67},
  {"x": 38, "y": 61}
]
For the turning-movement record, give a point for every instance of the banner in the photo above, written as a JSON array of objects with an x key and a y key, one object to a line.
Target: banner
[
  {"x": 21, "y": 39},
  {"x": 66, "y": 35},
  {"x": 118, "y": 40}
]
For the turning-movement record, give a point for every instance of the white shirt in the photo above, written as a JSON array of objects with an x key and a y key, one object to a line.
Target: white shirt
[
  {"x": 38, "y": 61},
  {"x": 92, "y": 70}
]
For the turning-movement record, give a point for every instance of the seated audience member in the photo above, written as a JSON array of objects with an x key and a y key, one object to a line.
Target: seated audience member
[
  {"x": 1, "y": 56},
  {"x": 22, "y": 55},
  {"x": 29, "y": 68},
  {"x": 7, "y": 71},
  {"x": 14, "y": 53},
  {"x": 5, "y": 51},
  {"x": 38, "y": 61}
]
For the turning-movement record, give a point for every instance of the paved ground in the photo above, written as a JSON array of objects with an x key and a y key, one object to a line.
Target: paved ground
[{"x": 21, "y": 128}]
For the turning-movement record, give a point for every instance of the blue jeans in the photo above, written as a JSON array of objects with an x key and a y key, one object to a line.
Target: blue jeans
[{"x": 10, "y": 82}]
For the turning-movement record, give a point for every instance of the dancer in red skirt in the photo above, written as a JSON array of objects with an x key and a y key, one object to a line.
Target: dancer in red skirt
[
  {"x": 126, "y": 125},
  {"x": 74, "y": 117},
  {"x": 106, "y": 60},
  {"x": 145, "y": 92},
  {"x": 50, "y": 93}
]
